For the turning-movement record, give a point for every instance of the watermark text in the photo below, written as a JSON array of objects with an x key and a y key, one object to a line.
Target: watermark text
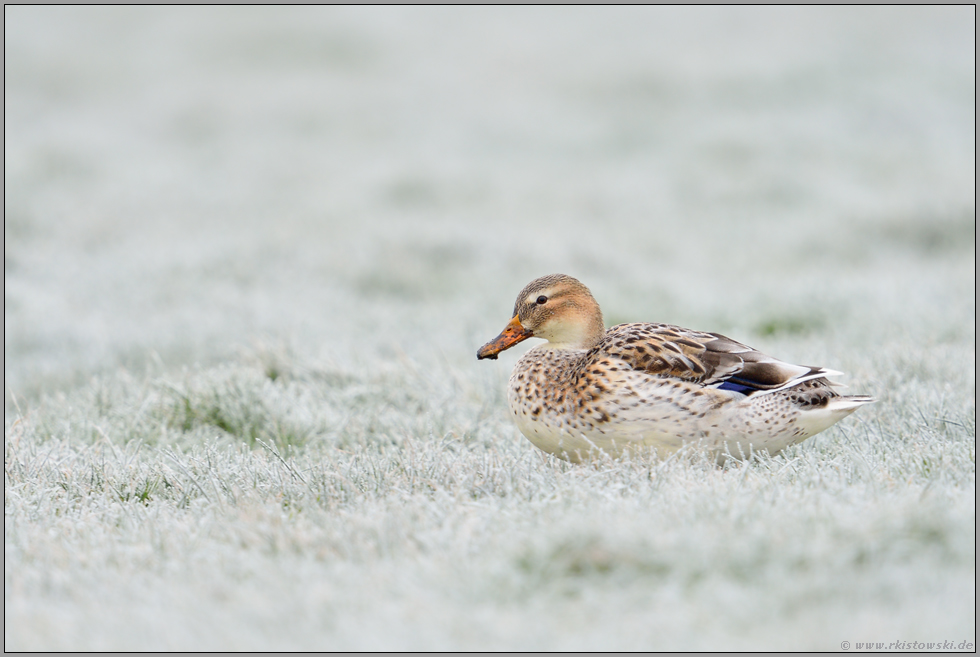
[{"x": 908, "y": 645}]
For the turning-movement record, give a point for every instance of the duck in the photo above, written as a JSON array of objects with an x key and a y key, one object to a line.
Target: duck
[{"x": 652, "y": 388}]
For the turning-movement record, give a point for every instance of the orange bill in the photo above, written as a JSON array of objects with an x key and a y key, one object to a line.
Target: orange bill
[{"x": 511, "y": 335}]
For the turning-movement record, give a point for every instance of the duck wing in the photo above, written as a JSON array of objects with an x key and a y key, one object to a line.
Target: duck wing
[{"x": 710, "y": 359}]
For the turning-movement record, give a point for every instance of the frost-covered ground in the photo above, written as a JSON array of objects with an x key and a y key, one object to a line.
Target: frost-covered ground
[{"x": 249, "y": 255}]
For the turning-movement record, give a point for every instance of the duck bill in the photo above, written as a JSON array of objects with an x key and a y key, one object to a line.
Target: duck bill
[{"x": 511, "y": 335}]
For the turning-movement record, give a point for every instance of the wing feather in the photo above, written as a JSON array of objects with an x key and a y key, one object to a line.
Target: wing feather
[{"x": 707, "y": 358}]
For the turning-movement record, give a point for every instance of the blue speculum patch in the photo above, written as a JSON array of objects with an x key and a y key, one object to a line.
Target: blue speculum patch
[{"x": 736, "y": 387}]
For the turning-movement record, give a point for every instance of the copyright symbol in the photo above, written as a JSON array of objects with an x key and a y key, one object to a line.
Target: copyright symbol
[{"x": 845, "y": 645}]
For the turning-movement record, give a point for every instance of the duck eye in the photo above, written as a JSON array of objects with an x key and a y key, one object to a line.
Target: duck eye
[{"x": 542, "y": 300}]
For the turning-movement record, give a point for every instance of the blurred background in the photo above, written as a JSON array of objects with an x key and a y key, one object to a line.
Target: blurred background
[{"x": 361, "y": 184}]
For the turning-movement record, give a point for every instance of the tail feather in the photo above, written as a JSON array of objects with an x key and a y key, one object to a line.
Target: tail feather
[
  {"x": 816, "y": 419},
  {"x": 849, "y": 403}
]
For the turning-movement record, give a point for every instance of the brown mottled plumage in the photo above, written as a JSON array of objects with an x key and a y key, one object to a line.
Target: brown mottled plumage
[{"x": 641, "y": 387}]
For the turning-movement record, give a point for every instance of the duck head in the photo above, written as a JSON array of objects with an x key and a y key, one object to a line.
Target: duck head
[{"x": 557, "y": 308}]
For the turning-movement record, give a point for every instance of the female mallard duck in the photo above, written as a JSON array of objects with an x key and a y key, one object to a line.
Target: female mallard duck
[{"x": 652, "y": 386}]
